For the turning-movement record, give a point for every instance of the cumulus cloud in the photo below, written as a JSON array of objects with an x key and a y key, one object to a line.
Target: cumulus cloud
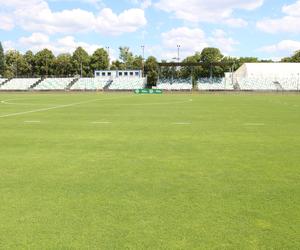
[
  {"x": 288, "y": 23},
  {"x": 192, "y": 40},
  {"x": 208, "y": 11},
  {"x": 36, "y": 16},
  {"x": 6, "y": 22},
  {"x": 39, "y": 41},
  {"x": 283, "y": 47},
  {"x": 222, "y": 41},
  {"x": 144, "y": 4}
]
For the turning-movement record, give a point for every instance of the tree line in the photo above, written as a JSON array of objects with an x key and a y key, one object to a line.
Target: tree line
[{"x": 45, "y": 63}]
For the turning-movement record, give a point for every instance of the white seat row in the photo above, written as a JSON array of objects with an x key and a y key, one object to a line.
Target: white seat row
[
  {"x": 127, "y": 83},
  {"x": 90, "y": 83},
  {"x": 2, "y": 80},
  {"x": 215, "y": 84},
  {"x": 178, "y": 84},
  {"x": 19, "y": 84},
  {"x": 175, "y": 86},
  {"x": 54, "y": 84},
  {"x": 256, "y": 83},
  {"x": 291, "y": 83}
]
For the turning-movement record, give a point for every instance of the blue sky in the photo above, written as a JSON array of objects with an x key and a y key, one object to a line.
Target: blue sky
[{"x": 261, "y": 28}]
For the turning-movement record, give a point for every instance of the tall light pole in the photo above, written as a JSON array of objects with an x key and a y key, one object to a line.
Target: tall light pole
[
  {"x": 143, "y": 66},
  {"x": 178, "y": 51},
  {"x": 108, "y": 52}
]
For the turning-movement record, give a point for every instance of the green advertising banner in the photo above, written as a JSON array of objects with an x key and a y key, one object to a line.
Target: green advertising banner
[{"x": 148, "y": 91}]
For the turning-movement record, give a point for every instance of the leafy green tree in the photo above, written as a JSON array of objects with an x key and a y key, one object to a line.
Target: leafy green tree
[
  {"x": 29, "y": 58},
  {"x": 137, "y": 62},
  {"x": 211, "y": 55},
  {"x": 63, "y": 65},
  {"x": 296, "y": 56},
  {"x": 126, "y": 56},
  {"x": 2, "y": 60},
  {"x": 166, "y": 72},
  {"x": 117, "y": 65},
  {"x": 151, "y": 70},
  {"x": 44, "y": 63},
  {"x": 16, "y": 65},
  {"x": 99, "y": 60},
  {"x": 81, "y": 61},
  {"x": 194, "y": 72}
]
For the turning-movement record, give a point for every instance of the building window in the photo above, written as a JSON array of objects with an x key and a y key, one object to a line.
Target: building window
[
  {"x": 120, "y": 73},
  {"x": 131, "y": 73},
  {"x": 97, "y": 73},
  {"x": 109, "y": 73},
  {"x": 103, "y": 73},
  {"x": 126, "y": 73},
  {"x": 137, "y": 74}
]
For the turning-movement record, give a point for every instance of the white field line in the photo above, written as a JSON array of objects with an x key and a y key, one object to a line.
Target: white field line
[
  {"x": 55, "y": 107},
  {"x": 153, "y": 103},
  {"x": 254, "y": 124},
  {"x": 181, "y": 123},
  {"x": 32, "y": 121},
  {"x": 101, "y": 122},
  {"x": 84, "y": 102}
]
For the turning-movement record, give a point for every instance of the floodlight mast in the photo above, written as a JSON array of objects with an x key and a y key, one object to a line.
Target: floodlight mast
[
  {"x": 108, "y": 52},
  {"x": 143, "y": 60}
]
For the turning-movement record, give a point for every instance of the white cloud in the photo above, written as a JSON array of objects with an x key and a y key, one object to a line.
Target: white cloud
[
  {"x": 220, "y": 40},
  {"x": 193, "y": 40},
  {"x": 287, "y": 24},
  {"x": 292, "y": 9},
  {"x": 189, "y": 39},
  {"x": 67, "y": 44},
  {"x": 236, "y": 22},
  {"x": 8, "y": 45},
  {"x": 128, "y": 21},
  {"x": 207, "y": 11},
  {"x": 36, "y": 16},
  {"x": 6, "y": 22},
  {"x": 35, "y": 39},
  {"x": 144, "y": 4},
  {"x": 283, "y": 47}
]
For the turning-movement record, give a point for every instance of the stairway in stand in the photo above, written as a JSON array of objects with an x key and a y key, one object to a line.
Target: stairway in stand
[
  {"x": 236, "y": 86},
  {"x": 5, "y": 82},
  {"x": 36, "y": 84},
  {"x": 69, "y": 86},
  {"x": 106, "y": 87},
  {"x": 278, "y": 86}
]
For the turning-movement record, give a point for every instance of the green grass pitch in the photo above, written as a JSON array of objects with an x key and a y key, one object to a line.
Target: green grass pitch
[{"x": 125, "y": 171}]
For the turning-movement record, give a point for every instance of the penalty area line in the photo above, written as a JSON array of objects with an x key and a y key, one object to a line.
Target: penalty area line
[
  {"x": 182, "y": 123},
  {"x": 101, "y": 122},
  {"x": 32, "y": 121},
  {"x": 254, "y": 124}
]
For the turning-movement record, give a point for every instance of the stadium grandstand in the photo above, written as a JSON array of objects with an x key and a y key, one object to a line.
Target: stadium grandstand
[
  {"x": 249, "y": 77},
  {"x": 268, "y": 76},
  {"x": 215, "y": 84},
  {"x": 175, "y": 84}
]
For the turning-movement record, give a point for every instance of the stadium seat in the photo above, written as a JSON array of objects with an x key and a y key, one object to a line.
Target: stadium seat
[
  {"x": 215, "y": 84},
  {"x": 19, "y": 84},
  {"x": 54, "y": 84},
  {"x": 175, "y": 84},
  {"x": 90, "y": 84},
  {"x": 129, "y": 83}
]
